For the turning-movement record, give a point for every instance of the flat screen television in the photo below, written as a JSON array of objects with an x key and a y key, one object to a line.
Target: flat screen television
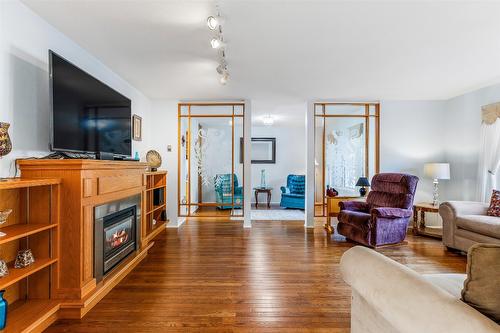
[{"x": 87, "y": 115}]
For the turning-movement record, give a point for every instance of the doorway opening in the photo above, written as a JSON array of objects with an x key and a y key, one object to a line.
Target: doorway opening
[
  {"x": 211, "y": 175},
  {"x": 346, "y": 147}
]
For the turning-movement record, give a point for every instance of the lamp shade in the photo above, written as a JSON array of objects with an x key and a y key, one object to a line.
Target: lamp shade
[
  {"x": 437, "y": 170},
  {"x": 363, "y": 181}
]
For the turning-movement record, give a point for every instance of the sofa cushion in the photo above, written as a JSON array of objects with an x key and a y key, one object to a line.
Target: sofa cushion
[
  {"x": 293, "y": 195},
  {"x": 482, "y": 286},
  {"x": 452, "y": 283},
  {"x": 494, "y": 209},
  {"x": 481, "y": 224}
]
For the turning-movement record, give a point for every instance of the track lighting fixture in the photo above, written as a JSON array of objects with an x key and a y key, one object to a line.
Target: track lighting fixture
[
  {"x": 224, "y": 78},
  {"x": 216, "y": 43},
  {"x": 212, "y": 22}
]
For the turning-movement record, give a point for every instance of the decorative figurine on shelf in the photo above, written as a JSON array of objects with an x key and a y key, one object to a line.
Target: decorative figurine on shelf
[
  {"x": 331, "y": 192},
  {"x": 136, "y": 156},
  {"x": 4, "y": 270},
  {"x": 24, "y": 258},
  {"x": 263, "y": 178},
  {"x": 364, "y": 183},
  {"x": 3, "y": 310},
  {"x": 4, "y": 214},
  {"x": 5, "y": 143},
  {"x": 154, "y": 160}
]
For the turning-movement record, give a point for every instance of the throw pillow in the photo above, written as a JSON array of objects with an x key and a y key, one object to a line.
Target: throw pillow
[
  {"x": 494, "y": 209},
  {"x": 482, "y": 286}
]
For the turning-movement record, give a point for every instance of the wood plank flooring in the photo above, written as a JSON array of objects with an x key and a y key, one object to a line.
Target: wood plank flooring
[{"x": 215, "y": 276}]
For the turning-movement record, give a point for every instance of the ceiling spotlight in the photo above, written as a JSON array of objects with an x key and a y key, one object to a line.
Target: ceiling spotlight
[
  {"x": 212, "y": 22},
  {"x": 222, "y": 68},
  {"x": 268, "y": 120},
  {"x": 216, "y": 43},
  {"x": 224, "y": 78}
]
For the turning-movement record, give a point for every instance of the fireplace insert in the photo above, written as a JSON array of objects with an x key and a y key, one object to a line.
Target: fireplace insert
[
  {"x": 118, "y": 237},
  {"x": 116, "y": 233}
]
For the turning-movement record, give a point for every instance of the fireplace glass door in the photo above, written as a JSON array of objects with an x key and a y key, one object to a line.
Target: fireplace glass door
[{"x": 118, "y": 236}]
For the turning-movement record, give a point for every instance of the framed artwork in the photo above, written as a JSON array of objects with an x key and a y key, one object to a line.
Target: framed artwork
[
  {"x": 136, "y": 128},
  {"x": 263, "y": 150}
]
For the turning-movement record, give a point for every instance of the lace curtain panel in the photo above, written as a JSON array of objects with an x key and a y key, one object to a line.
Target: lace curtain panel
[{"x": 489, "y": 158}]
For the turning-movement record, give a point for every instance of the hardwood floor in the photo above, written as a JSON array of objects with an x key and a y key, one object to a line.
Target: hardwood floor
[{"x": 215, "y": 276}]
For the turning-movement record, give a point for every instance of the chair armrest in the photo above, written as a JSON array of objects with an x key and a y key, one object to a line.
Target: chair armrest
[
  {"x": 238, "y": 190},
  {"x": 396, "y": 293},
  {"x": 390, "y": 212},
  {"x": 359, "y": 206},
  {"x": 284, "y": 189},
  {"x": 458, "y": 208}
]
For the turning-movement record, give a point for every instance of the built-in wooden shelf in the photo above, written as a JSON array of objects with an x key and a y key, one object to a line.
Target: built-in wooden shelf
[
  {"x": 156, "y": 230},
  {"x": 154, "y": 181},
  {"x": 154, "y": 188},
  {"x": 17, "y": 274},
  {"x": 31, "y": 315},
  {"x": 13, "y": 183},
  {"x": 17, "y": 231},
  {"x": 33, "y": 224},
  {"x": 155, "y": 208}
]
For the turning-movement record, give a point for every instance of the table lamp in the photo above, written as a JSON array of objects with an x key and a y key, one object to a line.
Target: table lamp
[
  {"x": 364, "y": 183},
  {"x": 436, "y": 171}
]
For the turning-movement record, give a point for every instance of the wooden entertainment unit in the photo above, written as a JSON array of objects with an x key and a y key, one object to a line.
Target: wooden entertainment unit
[{"x": 84, "y": 185}]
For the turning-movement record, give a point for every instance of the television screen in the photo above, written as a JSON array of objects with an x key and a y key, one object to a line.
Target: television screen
[{"x": 87, "y": 115}]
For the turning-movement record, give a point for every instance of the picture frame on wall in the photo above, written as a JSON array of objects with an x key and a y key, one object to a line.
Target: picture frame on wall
[
  {"x": 136, "y": 128},
  {"x": 263, "y": 150}
]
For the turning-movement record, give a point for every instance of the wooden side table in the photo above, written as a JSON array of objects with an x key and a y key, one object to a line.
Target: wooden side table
[
  {"x": 333, "y": 208},
  {"x": 267, "y": 190},
  {"x": 419, "y": 227}
]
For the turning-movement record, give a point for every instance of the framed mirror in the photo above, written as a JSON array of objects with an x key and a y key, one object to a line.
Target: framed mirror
[{"x": 263, "y": 150}]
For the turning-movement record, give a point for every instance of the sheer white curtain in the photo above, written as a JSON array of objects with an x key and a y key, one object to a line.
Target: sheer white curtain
[{"x": 489, "y": 158}]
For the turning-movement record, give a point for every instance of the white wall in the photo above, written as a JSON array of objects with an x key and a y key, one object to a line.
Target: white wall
[
  {"x": 462, "y": 124},
  {"x": 164, "y": 132},
  {"x": 25, "y": 39},
  {"x": 411, "y": 134},
  {"x": 290, "y": 158}
]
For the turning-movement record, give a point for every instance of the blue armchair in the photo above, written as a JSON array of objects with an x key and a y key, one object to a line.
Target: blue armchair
[
  {"x": 293, "y": 195},
  {"x": 223, "y": 191}
]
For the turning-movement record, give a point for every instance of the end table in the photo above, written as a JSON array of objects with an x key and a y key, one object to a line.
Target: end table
[
  {"x": 267, "y": 190},
  {"x": 419, "y": 227}
]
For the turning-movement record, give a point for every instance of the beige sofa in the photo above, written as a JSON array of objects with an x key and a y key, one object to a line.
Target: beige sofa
[
  {"x": 388, "y": 297},
  {"x": 465, "y": 223}
]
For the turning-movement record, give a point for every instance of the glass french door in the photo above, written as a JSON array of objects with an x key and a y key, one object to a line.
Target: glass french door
[
  {"x": 346, "y": 148},
  {"x": 211, "y": 176}
]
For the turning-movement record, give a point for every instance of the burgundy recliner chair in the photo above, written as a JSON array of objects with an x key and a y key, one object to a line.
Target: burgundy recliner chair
[{"x": 383, "y": 218}]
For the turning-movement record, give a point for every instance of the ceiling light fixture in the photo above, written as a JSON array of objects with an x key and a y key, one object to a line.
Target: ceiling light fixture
[
  {"x": 268, "y": 120},
  {"x": 216, "y": 43},
  {"x": 212, "y": 22},
  {"x": 224, "y": 78}
]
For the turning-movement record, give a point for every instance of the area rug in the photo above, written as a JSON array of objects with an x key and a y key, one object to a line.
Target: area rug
[{"x": 277, "y": 214}]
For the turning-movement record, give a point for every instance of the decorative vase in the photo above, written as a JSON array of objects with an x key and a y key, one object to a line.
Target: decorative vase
[
  {"x": 4, "y": 270},
  {"x": 5, "y": 143},
  {"x": 263, "y": 178},
  {"x": 24, "y": 258},
  {"x": 4, "y": 214},
  {"x": 3, "y": 310}
]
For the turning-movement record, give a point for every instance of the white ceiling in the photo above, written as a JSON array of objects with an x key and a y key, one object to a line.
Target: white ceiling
[{"x": 282, "y": 53}]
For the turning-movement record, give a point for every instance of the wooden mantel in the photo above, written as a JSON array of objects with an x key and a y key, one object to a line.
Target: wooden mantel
[{"x": 84, "y": 185}]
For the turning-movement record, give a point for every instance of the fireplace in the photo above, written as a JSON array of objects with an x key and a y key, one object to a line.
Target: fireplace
[{"x": 116, "y": 233}]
